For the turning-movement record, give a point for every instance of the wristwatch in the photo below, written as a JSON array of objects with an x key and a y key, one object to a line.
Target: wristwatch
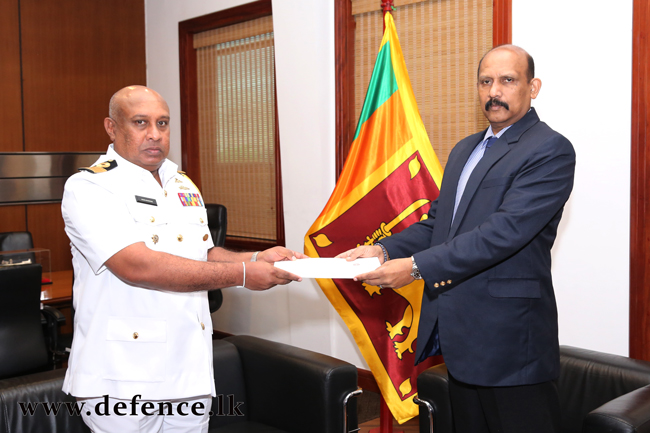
[{"x": 415, "y": 271}]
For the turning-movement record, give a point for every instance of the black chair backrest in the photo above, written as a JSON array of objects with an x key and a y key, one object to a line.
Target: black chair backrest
[
  {"x": 12, "y": 241},
  {"x": 218, "y": 224},
  {"x": 22, "y": 343},
  {"x": 590, "y": 379}
]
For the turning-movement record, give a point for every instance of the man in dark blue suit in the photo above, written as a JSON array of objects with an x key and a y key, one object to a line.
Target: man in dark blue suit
[{"x": 485, "y": 256}]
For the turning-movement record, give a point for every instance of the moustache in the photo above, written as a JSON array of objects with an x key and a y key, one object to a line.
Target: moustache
[{"x": 496, "y": 102}]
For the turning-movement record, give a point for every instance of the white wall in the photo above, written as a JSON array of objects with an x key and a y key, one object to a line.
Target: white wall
[
  {"x": 581, "y": 97},
  {"x": 583, "y": 55}
]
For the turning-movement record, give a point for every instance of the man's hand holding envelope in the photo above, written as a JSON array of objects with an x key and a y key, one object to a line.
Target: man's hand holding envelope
[{"x": 393, "y": 273}]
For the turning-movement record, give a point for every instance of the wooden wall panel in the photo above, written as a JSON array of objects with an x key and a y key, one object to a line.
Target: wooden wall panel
[
  {"x": 12, "y": 219},
  {"x": 45, "y": 222},
  {"x": 76, "y": 54},
  {"x": 11, "y": 138},
  {"x": 501, "y": 22}
]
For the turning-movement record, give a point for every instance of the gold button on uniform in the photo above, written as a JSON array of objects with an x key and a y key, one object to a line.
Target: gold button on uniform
[
  {"x": 202, "y": 326},
  {"x": 448, "y": 281},
  {"x": 205, "y": 237},
  {"x": 135, "y": 336},
  {"x": 436, "y": 285},
  {"x": 201, "y": 220},
  {"x": 154, "y": 238},
  {"x": 165, "y": 193},
  {"x": 152, "y": 219},
  {"x": 180, "y": 238},
  {"x": 442, "y": 283}
]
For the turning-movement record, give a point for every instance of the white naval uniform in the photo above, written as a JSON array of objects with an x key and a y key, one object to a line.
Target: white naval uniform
[{"x": 130, "y": 340}]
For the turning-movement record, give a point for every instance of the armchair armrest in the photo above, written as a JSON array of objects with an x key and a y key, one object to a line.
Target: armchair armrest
[
  {"x": 433, "y": 396},
  {"x": 54, "y": 314},
  {"x": 53, "y": 319},
  {"x": 293, "y": 389},
  {"x": 627, "y": 413}
]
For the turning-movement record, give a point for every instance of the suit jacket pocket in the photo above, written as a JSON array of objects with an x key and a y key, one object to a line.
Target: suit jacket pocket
[
  {"x": 135, "y": 349},
  {"x": 514, "y": 288},
  {"x": 497, "y": 181}
]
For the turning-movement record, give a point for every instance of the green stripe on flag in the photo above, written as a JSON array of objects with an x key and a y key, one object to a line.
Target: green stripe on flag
[{"x": 382, "y": 85}]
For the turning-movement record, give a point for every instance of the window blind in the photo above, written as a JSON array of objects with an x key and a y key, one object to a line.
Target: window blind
[{"x": 236, "y": 99}]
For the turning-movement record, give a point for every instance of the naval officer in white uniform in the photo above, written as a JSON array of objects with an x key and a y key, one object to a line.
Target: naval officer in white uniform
[{"x": 143, "y": 260}]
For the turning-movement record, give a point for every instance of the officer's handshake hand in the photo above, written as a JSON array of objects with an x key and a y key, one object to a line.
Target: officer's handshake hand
[
  {"x": 261, "y": 275},
  {"x": 277, "y": 254}
]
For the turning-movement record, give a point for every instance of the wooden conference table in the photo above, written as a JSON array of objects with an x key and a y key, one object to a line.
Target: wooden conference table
[{"x": 59, "y": 293}]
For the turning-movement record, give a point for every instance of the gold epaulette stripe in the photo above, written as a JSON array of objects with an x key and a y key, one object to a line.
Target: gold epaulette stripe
[{"x": 101, "y": 167}]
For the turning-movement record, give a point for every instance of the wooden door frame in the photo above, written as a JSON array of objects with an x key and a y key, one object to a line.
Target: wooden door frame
[
  {"x": 190, "y": 109},
  {"x": 640, "y": 185}
]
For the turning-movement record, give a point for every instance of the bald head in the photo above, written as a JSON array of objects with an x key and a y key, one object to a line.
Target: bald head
[
  {"x": 129, "y": 95},
  {"x": 530, "y": 72},
  {"x": 138, "y": 125}
]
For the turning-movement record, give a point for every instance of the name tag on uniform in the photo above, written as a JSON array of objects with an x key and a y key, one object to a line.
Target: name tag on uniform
[
  {"x": 146, "y": 200},
  {"x": 190, "y": 199}
]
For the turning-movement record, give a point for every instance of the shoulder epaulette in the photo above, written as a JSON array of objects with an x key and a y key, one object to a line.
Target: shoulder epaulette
[
  {"x": 182, "y": 173},
  {"x": 101, "y": 167}
]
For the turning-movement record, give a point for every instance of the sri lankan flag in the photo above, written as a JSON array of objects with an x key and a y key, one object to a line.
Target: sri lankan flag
[{"x": 389, "y": 180}]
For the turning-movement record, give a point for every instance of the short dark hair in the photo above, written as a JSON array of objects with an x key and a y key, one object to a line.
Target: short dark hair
[{"x": 530, "y": 73}]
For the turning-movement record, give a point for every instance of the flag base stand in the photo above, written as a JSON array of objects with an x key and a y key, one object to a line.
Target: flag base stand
[{"x": 385, "y": 419}]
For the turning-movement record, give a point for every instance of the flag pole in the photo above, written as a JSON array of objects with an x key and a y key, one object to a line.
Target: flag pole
[{"x": 385, "y": 416}]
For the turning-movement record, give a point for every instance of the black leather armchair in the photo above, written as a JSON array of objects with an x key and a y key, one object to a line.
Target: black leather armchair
[
  {"x": 273, "y": 387},
  {"x": 51, "y": 318},
  {"x": 218, "y": 224},
  {"x": 598, "y": 392},
  {"x": 23, "y": 348},
  {"x": 283, "y": 388}
]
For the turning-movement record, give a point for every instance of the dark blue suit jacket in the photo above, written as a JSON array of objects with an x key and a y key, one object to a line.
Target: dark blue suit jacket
[{"x": 489, "y": 293}]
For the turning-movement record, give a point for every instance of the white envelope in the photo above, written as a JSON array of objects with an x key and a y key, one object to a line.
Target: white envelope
[{"x": 329, "y": 267}]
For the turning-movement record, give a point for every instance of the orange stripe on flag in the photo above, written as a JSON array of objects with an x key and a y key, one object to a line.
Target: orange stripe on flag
[{"x": 381, "y": 135}]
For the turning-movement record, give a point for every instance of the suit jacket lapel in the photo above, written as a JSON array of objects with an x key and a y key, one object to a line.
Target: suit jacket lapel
[
  {"x": 447, "y": 196},
  {"x": 495, "y": 153}
]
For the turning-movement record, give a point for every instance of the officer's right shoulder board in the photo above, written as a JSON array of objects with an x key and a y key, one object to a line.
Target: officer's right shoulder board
[{"x": 102, "y": 167}]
